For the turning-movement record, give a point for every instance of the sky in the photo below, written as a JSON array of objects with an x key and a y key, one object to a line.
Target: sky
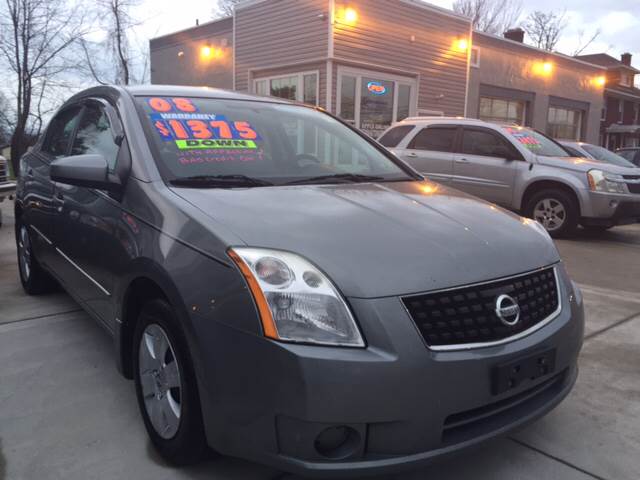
[{"x": 619, "y": 21}]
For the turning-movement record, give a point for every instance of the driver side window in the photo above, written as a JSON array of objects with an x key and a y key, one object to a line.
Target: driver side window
[
  {"x": 95, "y": 136},
  {"x": 59, "y": 132}
]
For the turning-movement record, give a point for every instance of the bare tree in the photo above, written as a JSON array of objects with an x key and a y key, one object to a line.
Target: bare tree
[
  {"x": 491, "y": 16},
  {"x": 585, "y": 42},
  {"x": 545, "y": 28},
  {"x": 224, "y": 8},
  {"x": 34, "y": 37},
  {"x": 116, "y": 21},
  {"x": 6, "y": 124}
]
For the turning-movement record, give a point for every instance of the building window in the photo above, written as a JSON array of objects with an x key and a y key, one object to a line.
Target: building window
[
  {"x": 310, "y": 88},
  {"x": 625, "y": 79},
  {"x": 564, "y": 123},
  {"x": 502, "y": 111},
  {"x": 372, "y": 101},
  {"x": 475, "y": 57},
  {"x": 284, "y": 88},
  {"x": 620, "y": 110},
  {"x": 348, "y": 98},
  {"x": 301, "y": 87},
  {"x": 404, "y": 102}
]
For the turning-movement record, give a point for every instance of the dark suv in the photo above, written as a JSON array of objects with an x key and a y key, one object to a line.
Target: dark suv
[{"x": 281, "y": 288}]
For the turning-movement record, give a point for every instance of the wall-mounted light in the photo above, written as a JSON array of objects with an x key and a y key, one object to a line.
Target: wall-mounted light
[
  {"x": 544, "y": 69},
  {"x": 461, "y": 44},
  {"x": 180, "y": 54},
  {"x": 347, "y": 16},
  {"x": 206, "y": 51},
  {"x": 600, "y": 81}
]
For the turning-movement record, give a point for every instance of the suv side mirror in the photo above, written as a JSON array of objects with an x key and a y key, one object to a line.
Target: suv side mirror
[{"x": 89, "y": 171}]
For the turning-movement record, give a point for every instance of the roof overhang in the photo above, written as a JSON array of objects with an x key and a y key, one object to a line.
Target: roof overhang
[{"x": 617, "y": 128}]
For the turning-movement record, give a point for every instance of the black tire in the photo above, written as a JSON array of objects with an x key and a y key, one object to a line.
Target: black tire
[
  {"x": 556, "y": 197},
  {"x": 34, "y": 280},
  {"x": 597, "y": 228},
  {"x": 188, "y": 445}
]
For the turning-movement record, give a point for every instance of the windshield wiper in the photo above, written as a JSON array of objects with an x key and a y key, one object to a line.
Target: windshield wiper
[
  {"x": 234, "y": 180},
  {"x": 347, "y": 177}
]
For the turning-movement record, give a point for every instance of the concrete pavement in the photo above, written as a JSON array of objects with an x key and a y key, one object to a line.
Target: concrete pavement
[{"x": 65, "y": 413}]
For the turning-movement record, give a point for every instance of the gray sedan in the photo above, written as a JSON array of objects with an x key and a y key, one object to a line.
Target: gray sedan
[{"x": 283, "y": 289}]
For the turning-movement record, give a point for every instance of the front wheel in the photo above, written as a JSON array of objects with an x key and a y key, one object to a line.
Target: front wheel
[
  {"x": 166, "y": 386},
  {"x": 556, "y": 210},
  {"x": 33, "y": 278}
]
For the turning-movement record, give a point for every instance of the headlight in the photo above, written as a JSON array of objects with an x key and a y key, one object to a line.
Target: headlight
[
  {"x": 600, "y": 181},
  {"x": 296, "y": 301}
]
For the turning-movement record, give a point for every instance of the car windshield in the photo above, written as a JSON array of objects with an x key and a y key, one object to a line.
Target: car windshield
[
  {"x": 536, "y": 142},
  {"x": 601, "y": 153},
  {"x": 211, "y": 142}
]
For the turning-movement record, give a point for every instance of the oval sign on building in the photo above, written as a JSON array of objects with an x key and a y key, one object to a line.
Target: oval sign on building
[{"x": 376, "y": 88}]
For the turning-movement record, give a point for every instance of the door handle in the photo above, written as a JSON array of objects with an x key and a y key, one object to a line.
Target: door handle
[
  {"x": 462, "y": 160},
  {"x": 412, "y": 155}
]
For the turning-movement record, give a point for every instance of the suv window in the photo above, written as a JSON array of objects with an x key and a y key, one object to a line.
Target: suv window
[
  {"x": 394, "y": 136},
  {"x": 572, "y": 151},
  {"x": 95, "y": 136},
  {"x": 439, "y": 139},
  {"x": 483, "y": 142},
  {"x": 60, "y": 131}
]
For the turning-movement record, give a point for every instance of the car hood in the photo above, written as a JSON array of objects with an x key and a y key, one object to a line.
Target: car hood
[
  {"x": 581, "y": 164},
  {"x": 383, "y": 239}
]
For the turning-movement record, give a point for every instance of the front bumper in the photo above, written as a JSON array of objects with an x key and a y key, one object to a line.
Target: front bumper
[
  {"x": 406, "y": 404},
  {"x": 611, "y": 209}
]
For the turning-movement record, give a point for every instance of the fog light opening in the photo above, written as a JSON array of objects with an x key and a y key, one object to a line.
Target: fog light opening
[{"x": 337, "y": 442}]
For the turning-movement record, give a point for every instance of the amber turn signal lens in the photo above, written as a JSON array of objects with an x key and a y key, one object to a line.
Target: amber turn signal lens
[{"x": 266, "y": 318}]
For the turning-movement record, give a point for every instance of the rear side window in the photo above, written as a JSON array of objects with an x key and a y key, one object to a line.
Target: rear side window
[
  {"x": 95, "y": 136},
  {"x": 394, "y": 136},
  {"x": 60, "y": 131},
  {"x": 482, "y": 142},
  {"x": 438, "y": 139}
]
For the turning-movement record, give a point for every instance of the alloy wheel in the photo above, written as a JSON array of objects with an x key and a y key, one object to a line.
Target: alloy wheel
[
  {"x": 551, "y": 213},
  {"x": 24, "y": 253},
  {"x": 160, "y": 381}
]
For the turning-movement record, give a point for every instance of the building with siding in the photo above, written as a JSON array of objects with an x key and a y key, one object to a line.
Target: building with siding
[
  {"x": 554, "y": 93},
  {"x": 620, "y": 126},
  {"x": 373, "y": 62}
]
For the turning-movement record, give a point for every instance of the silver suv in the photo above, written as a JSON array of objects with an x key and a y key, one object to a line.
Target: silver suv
[{"x": 520, "y": 169}]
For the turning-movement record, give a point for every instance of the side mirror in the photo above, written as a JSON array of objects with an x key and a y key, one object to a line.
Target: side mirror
[{"x": 89, "y": 171}]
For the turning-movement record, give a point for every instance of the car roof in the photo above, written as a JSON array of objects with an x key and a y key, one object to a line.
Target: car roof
[
  {"x": 628, "y": 148},
  {"x": 454, "y": 121},
  {"x": 174, "y": 91},
  {"x": 203, "y": 92}
]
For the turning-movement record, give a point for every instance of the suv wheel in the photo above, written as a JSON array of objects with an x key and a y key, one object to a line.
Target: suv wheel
[
  {"x": 556, "y": 210},
  {"x": 33, "y": 278},
  {"x": 166, "y": 386}
]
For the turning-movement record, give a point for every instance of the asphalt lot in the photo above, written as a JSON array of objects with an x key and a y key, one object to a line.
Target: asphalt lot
[{"x": 65, "y": 413}]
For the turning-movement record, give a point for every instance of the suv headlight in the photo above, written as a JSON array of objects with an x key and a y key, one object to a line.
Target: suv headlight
[
  {"x": 295, "y": 300},
  {"x": 600, "y": 181}
]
